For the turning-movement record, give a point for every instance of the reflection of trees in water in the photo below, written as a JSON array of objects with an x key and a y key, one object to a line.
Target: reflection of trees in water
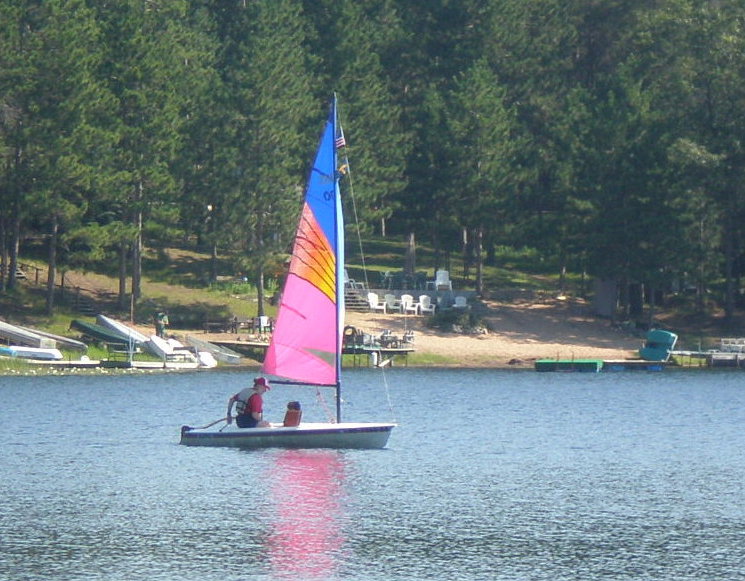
[{"x": 306, "y": 488}]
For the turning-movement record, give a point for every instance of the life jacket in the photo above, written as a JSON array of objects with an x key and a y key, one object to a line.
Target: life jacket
[{"x": 241, "y": 406}]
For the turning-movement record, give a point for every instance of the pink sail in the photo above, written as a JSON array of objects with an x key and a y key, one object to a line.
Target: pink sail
[{"x": 306, "y": 342}]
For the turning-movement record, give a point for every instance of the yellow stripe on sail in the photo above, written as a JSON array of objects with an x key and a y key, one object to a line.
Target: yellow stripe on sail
[{"x": 313, "y": 258}]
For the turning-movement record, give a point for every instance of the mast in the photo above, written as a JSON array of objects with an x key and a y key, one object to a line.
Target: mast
[{"x": 339, "y": 263}]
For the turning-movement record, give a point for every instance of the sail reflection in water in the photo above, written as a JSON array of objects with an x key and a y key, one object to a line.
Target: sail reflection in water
[{"x": 307, "y": 490}]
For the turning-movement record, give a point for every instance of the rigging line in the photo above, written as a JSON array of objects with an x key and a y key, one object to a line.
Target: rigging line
[
  {"x": 354, "y": 203},
  {"x": 362, "y": 253},
  {"x": 388, "y": 397},
  {"x": 387, "y": 388},
  {"x": 322, "y": 401}
]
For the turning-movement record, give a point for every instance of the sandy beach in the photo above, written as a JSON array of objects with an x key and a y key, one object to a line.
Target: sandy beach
[
  {"x": 525, "y": 328},
  {"x": 519, "y": 333}
]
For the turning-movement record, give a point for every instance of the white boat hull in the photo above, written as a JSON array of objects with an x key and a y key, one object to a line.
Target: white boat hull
[
  {"x": 311, "y": 435},
  {"x": 121, "y": 328},
  {"x": 26, "y": 337},
  {"x": 171, "y": 350},
  {"x": 22, "y": 352},
  {"x": 61, "y": 342},
  {"x": 219, "y": 353}
]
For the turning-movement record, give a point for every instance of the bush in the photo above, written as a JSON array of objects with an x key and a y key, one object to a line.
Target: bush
[{"x": 457, "y": 321}]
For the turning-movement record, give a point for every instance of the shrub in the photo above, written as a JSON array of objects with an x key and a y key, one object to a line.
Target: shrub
[{"x": 457, "y": 321}]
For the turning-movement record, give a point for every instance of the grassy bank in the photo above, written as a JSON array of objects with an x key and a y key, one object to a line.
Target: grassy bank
[{"x": 174, "y": 279}]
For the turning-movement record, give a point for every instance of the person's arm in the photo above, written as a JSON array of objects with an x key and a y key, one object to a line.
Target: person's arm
[{"x": 229, "y": 417}]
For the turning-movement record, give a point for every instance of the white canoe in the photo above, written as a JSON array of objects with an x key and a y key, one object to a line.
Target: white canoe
[
  {"x": 173, "y": 350},
  {"x": 23, "y": 352},
  {"x": 20, "y": 336},
  {"x": 206, "y": 359},
  {"x": 64, "y": 342},
  {"x": 121, "y": 328},
  {"x": 218, "y": 351}
]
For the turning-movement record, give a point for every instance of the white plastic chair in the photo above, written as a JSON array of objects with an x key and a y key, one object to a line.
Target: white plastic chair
[
  {"x": 442, "y": 280},
  {"x": 374, "y": 302},
  {"x": 426, "y": 306},
  {"x": 408, "y": 305},
  {"x": 392, "y": 303},
  {"x": 262, "y": 324},
  {"x": 461, "y": 302},
  {"x": 350, "y": 282}
]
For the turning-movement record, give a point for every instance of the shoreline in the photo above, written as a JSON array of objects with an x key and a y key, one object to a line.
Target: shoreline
[{"x": 519, "y": 333}]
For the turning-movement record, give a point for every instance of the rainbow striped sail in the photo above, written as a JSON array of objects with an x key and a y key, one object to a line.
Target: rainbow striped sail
[{"x": 306, "y": 344}]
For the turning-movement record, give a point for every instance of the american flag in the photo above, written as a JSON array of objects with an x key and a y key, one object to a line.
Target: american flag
[{"x": 340, "y": 141}]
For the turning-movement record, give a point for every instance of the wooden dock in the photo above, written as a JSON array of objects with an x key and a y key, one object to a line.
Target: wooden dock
[
  {"x": 369, "y": 354},
  {"x": 375, "y": 356},
  {"x": 711, "y": 358}
]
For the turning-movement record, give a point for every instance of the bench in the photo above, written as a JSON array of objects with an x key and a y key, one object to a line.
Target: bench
[
  {"x": 241, "y": 323},
  {"x": 220, "y": 326}
]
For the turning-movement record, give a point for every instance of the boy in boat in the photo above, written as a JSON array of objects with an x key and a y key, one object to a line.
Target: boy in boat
[{"x": 249, "y": 405}]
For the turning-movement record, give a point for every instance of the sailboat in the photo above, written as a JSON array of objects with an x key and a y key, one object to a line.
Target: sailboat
[{"x": 305, "y": 348}]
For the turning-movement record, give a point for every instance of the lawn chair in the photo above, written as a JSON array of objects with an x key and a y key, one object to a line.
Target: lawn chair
[
  {"x": 408, "y": 306},
  {"x": 426, "y": 306},
  {"x": 392, "y": 303},
  {"x": 461, "y": 302},
  {"x": 442, "y": 280},
  {"x": 374, "y": 302}
]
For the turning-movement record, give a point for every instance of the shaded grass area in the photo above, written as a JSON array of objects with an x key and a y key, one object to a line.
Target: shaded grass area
[{"x": 512, "y": 268}]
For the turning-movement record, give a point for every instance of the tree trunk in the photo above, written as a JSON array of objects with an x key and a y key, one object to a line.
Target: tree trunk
[
  {"x": 52, "y": 264},
  {"x": 465, "y": 252},
  {"x": 260, "y": 290},
  {"x": 652, "y": 305},
  {"x": 122, "y": 276},
  {"x": 213, "y": 260},
  {"x": 14, "y": 247},
  {"x": 623, "y": 298},
  {"x": 729, "y": 288},
  {"x": 480, "y": 262},
  {"x": 137, "y": 259},
  {"x": 3, "y": 254}
]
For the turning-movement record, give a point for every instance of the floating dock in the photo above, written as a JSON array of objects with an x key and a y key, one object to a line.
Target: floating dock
[
  {"x": 584, "y": 365},
  {"x": 633, "y": 365},
  {"x": 597, "y": 365}
]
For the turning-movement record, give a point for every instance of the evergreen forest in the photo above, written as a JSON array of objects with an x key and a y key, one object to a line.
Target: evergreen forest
[{"x": 608, "y": 136}]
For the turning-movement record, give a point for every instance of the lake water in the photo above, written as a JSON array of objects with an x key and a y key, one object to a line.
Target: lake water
[{"x": 490, "y": 475}]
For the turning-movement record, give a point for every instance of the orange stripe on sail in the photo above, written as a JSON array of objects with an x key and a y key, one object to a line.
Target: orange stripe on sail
[{"x": 313, "y": 258}]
